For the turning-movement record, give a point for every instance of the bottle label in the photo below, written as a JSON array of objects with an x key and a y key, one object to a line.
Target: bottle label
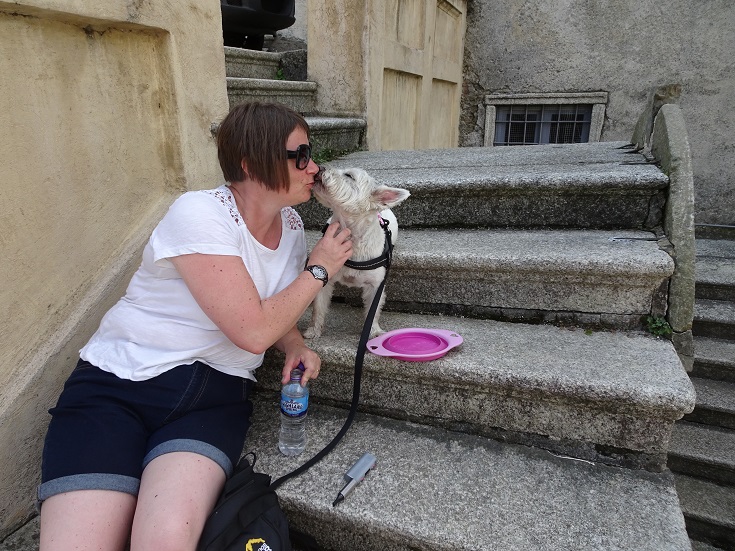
[{"x": 294, "y": 407}]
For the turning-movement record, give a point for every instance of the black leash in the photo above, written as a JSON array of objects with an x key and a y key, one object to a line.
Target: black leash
[{"x": 361, "y": 349}]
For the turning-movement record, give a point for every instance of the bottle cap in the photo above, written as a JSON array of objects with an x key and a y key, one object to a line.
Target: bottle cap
[{"x": 296, "y": 373}]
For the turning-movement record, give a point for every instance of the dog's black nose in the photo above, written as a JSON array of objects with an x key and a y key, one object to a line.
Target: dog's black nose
[{"x": 318, "y": 175}]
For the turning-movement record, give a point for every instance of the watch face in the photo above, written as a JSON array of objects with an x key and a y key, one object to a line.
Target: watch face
[{"x": 319, "y": 272}]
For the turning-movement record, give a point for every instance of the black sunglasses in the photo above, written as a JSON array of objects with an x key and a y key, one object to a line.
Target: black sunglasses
[{"x": 302, "y": 155}]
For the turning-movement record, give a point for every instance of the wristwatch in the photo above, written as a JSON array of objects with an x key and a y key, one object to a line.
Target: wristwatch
[{"x": 319, "y": 272}]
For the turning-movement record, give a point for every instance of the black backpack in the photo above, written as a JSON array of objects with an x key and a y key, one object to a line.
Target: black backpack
[{"x": 247, "y": 516}]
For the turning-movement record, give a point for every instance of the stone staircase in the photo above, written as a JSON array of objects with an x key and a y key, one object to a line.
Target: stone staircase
[
  {"x": 702, "y": 453},
  {"x": 549, "y": 427},
  {"x": 280, "y": 76}
]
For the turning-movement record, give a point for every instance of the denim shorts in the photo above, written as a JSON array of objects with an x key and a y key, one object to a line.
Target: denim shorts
[{"x": 105, "y": 430}]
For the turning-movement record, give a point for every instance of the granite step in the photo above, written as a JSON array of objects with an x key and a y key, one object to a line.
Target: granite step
[
  {"x": 242, "y": 63},
  {"x": 703, "y": 451},
  {"x": 714, "y": 318},
  {"x": 715, "y": 269},
  {"x": 714, "y": 359},
  {"x": 715, "y": 231},
  {"x": 591, "y": 277},
  {"x": 335, "y": 134},
  {"x": 440, "y": 490},
  {"x": 283, "y": 65},
  {"x": 709, "y": 510},
  {"x": 254, "y": 75},
  {"x": 599, "y": 396},
  {"x": 299, "y": 96},
  {"x": 702, "y": 546},
  {"x": 560, "y": 186},
  {"x": 715, "y": 403},
  {"x": 332, "y": 134},
  {"x": 434, "y": 489},
  {"x": 25, "y": 538}
]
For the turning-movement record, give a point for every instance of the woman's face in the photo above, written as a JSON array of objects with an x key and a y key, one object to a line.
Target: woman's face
[{"x": 300, "y": 181}]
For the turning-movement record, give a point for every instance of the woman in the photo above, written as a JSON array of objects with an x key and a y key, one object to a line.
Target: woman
[{"x": 154, "y": 417}]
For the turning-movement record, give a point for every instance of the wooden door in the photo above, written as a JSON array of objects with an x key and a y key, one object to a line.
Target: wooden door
[{"x": 420, "y": 75}]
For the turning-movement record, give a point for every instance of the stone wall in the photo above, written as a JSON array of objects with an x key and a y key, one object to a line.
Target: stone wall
[
  {"x": 625, "y": 48},
  {"x": 105, "y": 110}
]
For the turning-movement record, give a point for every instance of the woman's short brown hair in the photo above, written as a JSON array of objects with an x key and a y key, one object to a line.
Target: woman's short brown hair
[{"x": 257, "y": 133}]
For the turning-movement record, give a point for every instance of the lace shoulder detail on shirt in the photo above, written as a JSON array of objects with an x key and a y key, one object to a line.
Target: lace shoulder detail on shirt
[
  {"x": 225, "y": 197},
  {"x": 293, "y": 220}
]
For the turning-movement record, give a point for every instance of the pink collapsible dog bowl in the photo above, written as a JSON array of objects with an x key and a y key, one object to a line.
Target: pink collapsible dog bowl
[{"x": 414, "y": 344}]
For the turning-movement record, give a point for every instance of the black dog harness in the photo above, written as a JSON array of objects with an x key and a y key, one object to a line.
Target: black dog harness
[{"x": 385, "y": 258}]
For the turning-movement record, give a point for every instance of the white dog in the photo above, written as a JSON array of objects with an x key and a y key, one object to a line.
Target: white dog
[{"x": 360, "y": 204}]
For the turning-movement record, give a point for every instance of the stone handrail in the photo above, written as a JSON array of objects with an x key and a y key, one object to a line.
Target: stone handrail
[{"x": 669, "y": 145}]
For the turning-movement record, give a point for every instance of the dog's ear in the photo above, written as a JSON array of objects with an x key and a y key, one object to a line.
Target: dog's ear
[{"x": 389, "y": 197}]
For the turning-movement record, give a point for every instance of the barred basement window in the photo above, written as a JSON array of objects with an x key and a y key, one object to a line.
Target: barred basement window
[
  {"x": 525, "y": 119},
  {"x": 540, "y": 124}
]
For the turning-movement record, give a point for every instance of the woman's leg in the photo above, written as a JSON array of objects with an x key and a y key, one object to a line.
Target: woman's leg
[
  {"x": 178, "y": 491},
  {"x": 86, "y": 520}
]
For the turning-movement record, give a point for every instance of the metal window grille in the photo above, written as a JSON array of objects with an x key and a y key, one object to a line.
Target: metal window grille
[{"x": 542, "y": 124}]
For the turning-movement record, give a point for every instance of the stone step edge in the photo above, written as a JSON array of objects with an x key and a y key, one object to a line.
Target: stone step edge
[
  {"x": 714, "y": 394},
  {"x": 715, "y": 323},
  {"x": 323, "y": 124},
  {"x": 715, "y": 351},
  {"x": 714, "y": 359},
  {"x": 715, "y": 272},
  {"x": 593, "y": 155},
  {"x": 433, "y": 248},
  {"x": 319, "y": 125},
  {"x": 575, "y": 271},
  {"x": 258, "y": 55},
  {"x": 241, "y": 63},
  {"x": 702, "y": 546},
  {"x": 531, "y": 384},
  {"x": 720, "y": 443},
  {"x": 703, "y": 451},
  {"x": 260, "y": 84},
  {"x": 464, "y": 366},
  {"x": 715, "y": 403},
  {"x": 335, "y": 135},
  {"x": 432, "y": 488},
  {"x": 479, "y": 180},
  {"x": 710, "y": 506}
]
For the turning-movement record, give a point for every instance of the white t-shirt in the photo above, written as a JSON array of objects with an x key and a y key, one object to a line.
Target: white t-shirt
[{"x": 158, "y": 325}]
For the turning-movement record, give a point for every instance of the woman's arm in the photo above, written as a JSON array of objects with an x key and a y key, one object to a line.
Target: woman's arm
[{"x": 226, "y": 293}]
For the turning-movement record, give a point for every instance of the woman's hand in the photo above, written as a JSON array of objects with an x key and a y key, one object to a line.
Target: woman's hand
[
  {"x": 306, "y": 356},
  {"x": 333, "y": 249},
  {"x": 292, "y": 344}
]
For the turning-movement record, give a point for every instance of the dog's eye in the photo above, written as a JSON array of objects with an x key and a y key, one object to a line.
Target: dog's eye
[{"x": 349, "y": 176}]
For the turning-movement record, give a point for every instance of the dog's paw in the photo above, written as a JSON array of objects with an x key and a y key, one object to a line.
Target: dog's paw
[
  {"x": 376, "y": 331},
  {"x": 312, "y": 333}
]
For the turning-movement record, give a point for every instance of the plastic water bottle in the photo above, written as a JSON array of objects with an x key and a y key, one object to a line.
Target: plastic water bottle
[{"x": 294, "y": 408}]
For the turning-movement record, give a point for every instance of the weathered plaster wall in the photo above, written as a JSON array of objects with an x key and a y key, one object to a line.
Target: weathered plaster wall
[
  {"x": 105, "y": 111},
  {"x": 624, "y": 47}
]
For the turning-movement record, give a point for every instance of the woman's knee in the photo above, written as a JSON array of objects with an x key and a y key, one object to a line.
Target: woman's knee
[
  {"x": 170, "y": 533},
  {"x": 171, "y": 515},
  {"x": 89, "y": 519}
]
